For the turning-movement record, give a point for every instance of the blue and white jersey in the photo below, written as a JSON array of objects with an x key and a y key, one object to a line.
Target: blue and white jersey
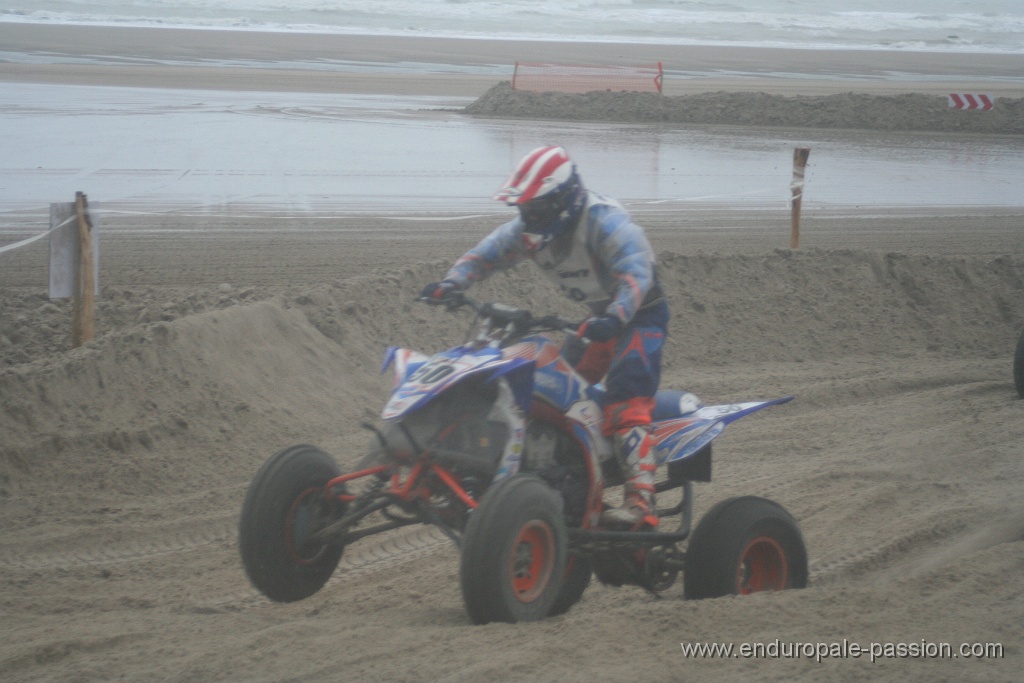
[{"x": 606, "y": 262}]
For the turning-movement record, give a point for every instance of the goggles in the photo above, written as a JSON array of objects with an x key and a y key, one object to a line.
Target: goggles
[{"x": 538, "y": 214}]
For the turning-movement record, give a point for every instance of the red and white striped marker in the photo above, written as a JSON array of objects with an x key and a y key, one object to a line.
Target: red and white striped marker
[{"x": 970, "y": 101}]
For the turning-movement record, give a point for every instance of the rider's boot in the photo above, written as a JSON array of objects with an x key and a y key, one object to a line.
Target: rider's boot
[{"x": 633, "y": 448}]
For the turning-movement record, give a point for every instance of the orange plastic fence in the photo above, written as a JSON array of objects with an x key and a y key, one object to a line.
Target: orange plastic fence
[{"x": 540, "y": 77}]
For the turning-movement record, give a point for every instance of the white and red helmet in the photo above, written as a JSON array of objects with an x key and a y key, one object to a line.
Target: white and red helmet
[
  {"x": 542, "y": 172},
  {"x": 547, "y": 191}
]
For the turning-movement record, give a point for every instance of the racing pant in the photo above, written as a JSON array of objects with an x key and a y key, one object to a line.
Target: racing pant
[{"x": 631, "y": 366}]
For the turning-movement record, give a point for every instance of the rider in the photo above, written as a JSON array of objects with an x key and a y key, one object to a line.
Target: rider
[{"x": 589, "y": 246}]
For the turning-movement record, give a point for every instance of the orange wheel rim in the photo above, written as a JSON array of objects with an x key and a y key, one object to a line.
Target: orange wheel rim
[
  {"x": 763, "y": 567},
  {"x": 532, "y": 560}
]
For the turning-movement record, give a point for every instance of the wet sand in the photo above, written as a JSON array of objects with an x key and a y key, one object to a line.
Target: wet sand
[{"x": 691, "y": 68}]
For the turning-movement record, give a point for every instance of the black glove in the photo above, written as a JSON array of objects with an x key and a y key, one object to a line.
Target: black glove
[
  {"x": 601, "y": 328},
  {"x": 438, "y": 291}
]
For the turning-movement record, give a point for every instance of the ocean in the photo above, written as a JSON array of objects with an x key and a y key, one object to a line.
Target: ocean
[{"x": 924, "y": 25}]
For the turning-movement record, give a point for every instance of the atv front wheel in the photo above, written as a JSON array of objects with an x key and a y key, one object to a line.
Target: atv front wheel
[
  {"x": 744, "y": 545},
  {"x": 284, "y": 506},
  {"x": 514, "y": 552},
  {"x": 578, "y": 571}
]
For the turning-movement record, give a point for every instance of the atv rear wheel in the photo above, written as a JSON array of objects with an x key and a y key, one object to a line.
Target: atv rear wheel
[
  {"x": 514, "y": 552},
  {"x": 744, "y": 545},
  {"x": 285, "y": 504}
]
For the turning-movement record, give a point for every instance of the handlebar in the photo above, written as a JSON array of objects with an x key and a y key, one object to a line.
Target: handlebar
[{"x": 521, "y": 319}]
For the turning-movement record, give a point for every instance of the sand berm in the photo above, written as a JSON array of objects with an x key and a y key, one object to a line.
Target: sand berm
[
  {"x": 911, "y": 111},
  {"x": 123, "y": 463}
]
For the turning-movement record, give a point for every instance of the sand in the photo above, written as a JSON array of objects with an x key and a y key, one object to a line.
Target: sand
[
  {"x": 123, "y": 463},
  {"x": 149, "y": 57},
  {"x": 910, "y": 112}
]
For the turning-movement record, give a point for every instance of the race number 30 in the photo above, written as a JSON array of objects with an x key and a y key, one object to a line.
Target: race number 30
[{"x": 430, "y": 374}]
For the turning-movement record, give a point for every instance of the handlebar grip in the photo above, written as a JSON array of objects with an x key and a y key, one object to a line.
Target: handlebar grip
[{"x": 452, "y": 300}]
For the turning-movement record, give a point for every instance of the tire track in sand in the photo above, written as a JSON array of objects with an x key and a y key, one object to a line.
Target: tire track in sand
[{"x": 391, "y": 548}]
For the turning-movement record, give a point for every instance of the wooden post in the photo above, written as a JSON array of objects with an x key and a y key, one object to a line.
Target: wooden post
[
  {"x": 83, "y": 323},
  {"x": 800, "y": 155}
]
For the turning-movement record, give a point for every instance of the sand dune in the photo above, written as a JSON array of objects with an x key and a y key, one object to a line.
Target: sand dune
[{"x": 123, "y": 466}]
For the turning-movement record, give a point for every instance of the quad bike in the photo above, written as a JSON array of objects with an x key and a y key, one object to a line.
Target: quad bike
[{"x": 498, "y": 443}]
